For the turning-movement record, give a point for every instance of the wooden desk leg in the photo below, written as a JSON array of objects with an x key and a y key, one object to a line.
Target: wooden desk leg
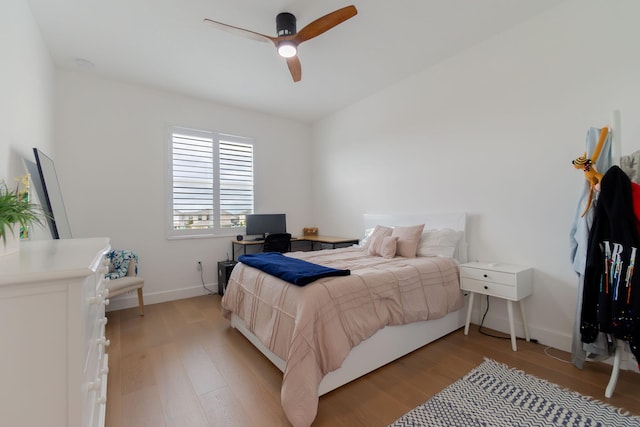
[
  {"x": 524, "y": 321},
  {"x": 466, "y": 323},
  {"x": 514, "y": 346}
]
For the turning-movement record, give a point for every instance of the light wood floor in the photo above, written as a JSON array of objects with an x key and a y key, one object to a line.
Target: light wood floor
[{"x": 182, "y": 365}]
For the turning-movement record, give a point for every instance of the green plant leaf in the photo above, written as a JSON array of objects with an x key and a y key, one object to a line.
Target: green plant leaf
[{"x": 17, "y": 210}]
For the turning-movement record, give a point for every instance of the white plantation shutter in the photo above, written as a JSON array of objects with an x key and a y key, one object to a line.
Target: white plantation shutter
[
  {"x": 192, "y": 186},
  {"x": 236, "y": 182},
  {"x": 211, "y": 187}
]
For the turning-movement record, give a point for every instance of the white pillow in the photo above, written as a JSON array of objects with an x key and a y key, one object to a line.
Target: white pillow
[
  {"x": 440, "y": 242},
  {"x": 364, "y": 242}
]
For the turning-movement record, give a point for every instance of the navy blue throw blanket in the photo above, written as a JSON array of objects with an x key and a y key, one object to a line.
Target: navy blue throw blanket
[{"x": 292, "y": 270}]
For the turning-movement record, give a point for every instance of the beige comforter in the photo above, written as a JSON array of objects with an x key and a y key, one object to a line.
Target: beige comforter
[{"x": 313, "y": 328}]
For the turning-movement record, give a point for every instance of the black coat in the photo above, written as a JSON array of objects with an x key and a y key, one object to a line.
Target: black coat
[{"x": 611, "y": 293}]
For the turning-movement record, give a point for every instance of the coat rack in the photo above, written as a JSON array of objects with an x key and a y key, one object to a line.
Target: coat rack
[{"x": 616, "y": 150}]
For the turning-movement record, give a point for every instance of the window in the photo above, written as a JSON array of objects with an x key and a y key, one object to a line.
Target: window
[{"x": 210, "y": 182}]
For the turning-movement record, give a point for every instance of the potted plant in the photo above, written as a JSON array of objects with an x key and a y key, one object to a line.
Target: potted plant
[{"x": 16, "y": 212}]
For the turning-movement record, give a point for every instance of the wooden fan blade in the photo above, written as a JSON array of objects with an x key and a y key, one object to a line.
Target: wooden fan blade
[
  {"x": 295, "y": 68},
  {"x": 241, "y": 31},
  {"x": 325, "y": 23}
]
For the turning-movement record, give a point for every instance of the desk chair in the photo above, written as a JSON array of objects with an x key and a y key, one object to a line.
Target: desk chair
[
  {"x": 129, "y": 282},
  {"x": 277, "y": 242}
]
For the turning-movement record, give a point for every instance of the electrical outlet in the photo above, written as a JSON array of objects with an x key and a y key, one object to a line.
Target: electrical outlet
[{"x": 199, "y": 265}]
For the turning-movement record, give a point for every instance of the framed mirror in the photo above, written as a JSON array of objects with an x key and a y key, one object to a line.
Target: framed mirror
[{"x": 48, "y": 188}]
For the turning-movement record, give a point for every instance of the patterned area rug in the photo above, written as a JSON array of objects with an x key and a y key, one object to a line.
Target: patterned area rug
[{"x": 495, "y": 395}]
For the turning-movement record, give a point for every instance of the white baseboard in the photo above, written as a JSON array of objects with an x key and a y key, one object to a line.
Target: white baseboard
[
  {"x": 547, "y": 337},
  {"x": 551, "y": 338},
  {"x": 131, "y": 300}
]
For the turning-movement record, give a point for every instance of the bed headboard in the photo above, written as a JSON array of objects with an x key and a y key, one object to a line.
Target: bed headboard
[{"x": 453, "y": 220}]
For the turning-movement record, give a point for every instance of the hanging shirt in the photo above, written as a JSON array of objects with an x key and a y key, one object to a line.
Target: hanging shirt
[
  {"x": 579, "y": 234},
  {"x": 611, "y": 298}
]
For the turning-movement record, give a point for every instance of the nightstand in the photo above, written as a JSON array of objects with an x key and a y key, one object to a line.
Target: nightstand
[{"x": 506, "y": 281}]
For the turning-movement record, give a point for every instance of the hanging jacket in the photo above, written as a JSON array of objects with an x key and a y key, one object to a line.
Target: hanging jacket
[{"x": 611, "y": 293}]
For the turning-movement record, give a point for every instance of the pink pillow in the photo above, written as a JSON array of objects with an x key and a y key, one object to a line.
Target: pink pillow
[
  {"x": 379, "y": 230},
  {"x": 388, "y": 247},
  {"x": 384, "y": 246},
  {"x": 408, "y": 238}
]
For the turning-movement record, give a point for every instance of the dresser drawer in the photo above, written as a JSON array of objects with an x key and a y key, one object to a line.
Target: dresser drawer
[
  {"x": 97, "y": 395},
  {"x": 100, "y": 408},
  {"x": 95, "y": 370},
  {"x": 508, "y": 279},
  {"x": 94, "y": 316},
  {"x": 95, "y": 298},
  {"x": 490, "y": 288}
]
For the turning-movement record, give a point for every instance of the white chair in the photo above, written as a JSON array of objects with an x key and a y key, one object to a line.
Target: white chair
[{"x": 127, "y": 283}]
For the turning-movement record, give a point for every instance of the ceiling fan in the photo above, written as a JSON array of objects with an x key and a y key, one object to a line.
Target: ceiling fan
[{"x": 288, "y": 38}]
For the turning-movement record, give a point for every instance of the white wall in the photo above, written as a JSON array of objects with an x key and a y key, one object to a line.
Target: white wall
[
  {"x": 111, "y": 163},
  {"x": 492, "y": 132},
  {"x": 26, "y": 90}
]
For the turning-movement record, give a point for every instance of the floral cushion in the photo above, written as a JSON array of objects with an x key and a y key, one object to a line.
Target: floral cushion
[{"x": 119, "y": 263}]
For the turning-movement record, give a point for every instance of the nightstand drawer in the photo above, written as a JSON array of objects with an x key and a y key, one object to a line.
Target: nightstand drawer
[
  {"x": 508, "y": 279},
  {"x": 490, "y": 288}
]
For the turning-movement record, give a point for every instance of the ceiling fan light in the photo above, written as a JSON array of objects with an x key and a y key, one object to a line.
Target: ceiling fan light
[{"x": 287, "y": 49}]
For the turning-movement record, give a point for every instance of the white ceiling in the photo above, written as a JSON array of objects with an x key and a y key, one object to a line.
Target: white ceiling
[{"x": 164, "y": 43}]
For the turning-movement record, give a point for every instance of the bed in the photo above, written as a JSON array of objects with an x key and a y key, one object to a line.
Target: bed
[{"x": 336, "y": 329}]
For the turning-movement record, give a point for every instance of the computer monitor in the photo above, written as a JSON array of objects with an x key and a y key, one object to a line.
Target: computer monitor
[{"x": 263, "y": 224}]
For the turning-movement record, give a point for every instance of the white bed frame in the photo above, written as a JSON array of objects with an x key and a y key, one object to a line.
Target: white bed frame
[{"x": 391, "y": 342}]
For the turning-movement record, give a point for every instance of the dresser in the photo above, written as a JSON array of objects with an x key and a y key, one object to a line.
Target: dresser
[
  {"x": 506, "y": 281},
  {"x": 53, "y": 363}
]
